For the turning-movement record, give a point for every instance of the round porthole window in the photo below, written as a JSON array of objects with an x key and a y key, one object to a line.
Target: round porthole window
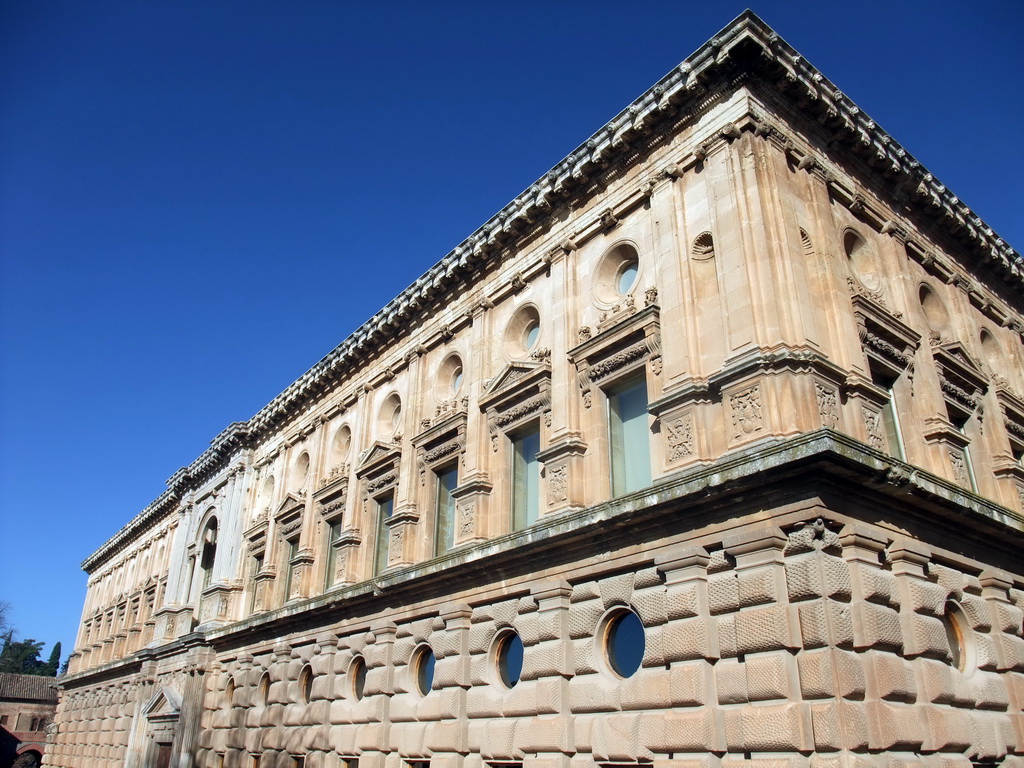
[
  {"x": 357, "y": 674},
  {"x": 616, "y": 274},
  {"x": 624, "y": 643},
  {"x": 523, "y": 332},
  {"x": 449, "y": 378},
  {"x": 390, "y": 416},
  {"x": 423, "y": 669},
  {"x": 508, "y": 658}
]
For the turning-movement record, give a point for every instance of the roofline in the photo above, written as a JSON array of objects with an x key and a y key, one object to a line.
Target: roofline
[{"x": 491, "y": 242}]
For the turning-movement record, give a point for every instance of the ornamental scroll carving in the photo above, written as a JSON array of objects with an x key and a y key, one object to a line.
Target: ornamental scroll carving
[
  {"x": 333, "y": 508},
  {"x": 290, "y": 528},
  {"x": 443, "y": 450},
  {"x": 379, "y": 483},
  {"x": 746, "y": 412}
]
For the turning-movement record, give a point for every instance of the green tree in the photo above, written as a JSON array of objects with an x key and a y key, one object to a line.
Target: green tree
[
  {"x": 21, "y": 656},
  {"x": 53, "y": 664}
]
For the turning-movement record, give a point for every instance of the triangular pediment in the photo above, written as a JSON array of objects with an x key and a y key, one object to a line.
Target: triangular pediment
[
  {"x": 166, "y": 702},
  {"x": 511, "y": 374},
  {"x": 957, "y": 352},
  {"x": 288, "y": 504},
  {"x": 378, "y": 453}
]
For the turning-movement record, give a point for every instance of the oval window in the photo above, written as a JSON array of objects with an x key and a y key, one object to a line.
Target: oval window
[
  {"x": 959, "y": 637},
  {"x": 624, "y": 643},
  {"x": 423, "y": 669},
  {"x": 305, "y": 684},
  {"x": 509, "y": 659},
  {"x": 357, "y": 673},
  {"x": 264, "y": 689}
]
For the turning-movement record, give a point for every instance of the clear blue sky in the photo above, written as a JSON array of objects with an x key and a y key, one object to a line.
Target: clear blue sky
[{"x": 199, "y": 199}]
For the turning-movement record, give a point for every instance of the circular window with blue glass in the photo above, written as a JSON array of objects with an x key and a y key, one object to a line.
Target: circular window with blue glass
[
  {"x": 508, "y": 658},
  {"x": 423, "y": 661},
  {"x": 622, "y": 642}
]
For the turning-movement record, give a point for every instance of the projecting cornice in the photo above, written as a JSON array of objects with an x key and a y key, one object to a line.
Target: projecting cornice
[{"x": 746, "y": 48}]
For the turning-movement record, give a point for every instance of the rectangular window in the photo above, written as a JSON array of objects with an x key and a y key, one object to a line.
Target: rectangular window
[
  {"x": 333, "y": 534},
  {"x": 380, "y": 556},
  {"x": 972, "y": 480},
  {"x": 629, "y": 441},
  {"x": 444, "y": 533},
  {"x": 890, "y": 419},
  {"x": 257, "y": 566},
  {"x": 291, "y": 549},
  {"x": 525, "y": 479}
]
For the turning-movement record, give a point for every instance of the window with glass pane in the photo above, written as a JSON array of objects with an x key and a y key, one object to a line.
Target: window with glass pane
[
  {"x": 629, "y": 442},
  {"x": 444, "y": 534},
  {"x": 333, "y": 534},
  {"x": 291, "y": 549},
  {"x": 960, "y": 422},
  {"x": 380, "y": 557},
  {"x": 525, "y": 479},
  {"x": 890, "y": 419}
]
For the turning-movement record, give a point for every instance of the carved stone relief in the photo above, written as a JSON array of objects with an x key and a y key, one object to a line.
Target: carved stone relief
[
  {"x": 395, "y": 541},
  {"x": 873, "y": 426},
  {"x": 679, "y": 436},
  {"x": 558, "y": 483},
  {"x": 745, "y": 412},
  {"x": 828, "y": 405},
  {"x": 466, "y": 518},
  {"x": 958, "y": 461}
]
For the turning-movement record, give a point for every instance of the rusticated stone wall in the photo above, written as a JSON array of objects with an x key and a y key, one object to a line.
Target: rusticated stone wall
[{"x": 827, "y": 638}]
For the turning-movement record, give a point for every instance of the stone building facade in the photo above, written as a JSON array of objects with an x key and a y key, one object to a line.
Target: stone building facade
[
  {"x": 705, "y": 451},
  {"x": 27, "y": 707}
]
